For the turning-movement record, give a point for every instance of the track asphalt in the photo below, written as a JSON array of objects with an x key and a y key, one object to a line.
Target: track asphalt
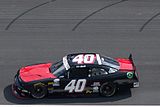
[{"x": 35, "y": 31}]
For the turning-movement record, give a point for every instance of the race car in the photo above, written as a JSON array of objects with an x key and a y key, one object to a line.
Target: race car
[{"x": 76, "y": 73}]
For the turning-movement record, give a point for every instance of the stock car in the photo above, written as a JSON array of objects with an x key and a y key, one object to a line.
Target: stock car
[{"x": 76, "y": 73}]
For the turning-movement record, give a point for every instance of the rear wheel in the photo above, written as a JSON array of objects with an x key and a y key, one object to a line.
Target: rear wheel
[
  {"x": 107, "y": 89},
  {"x": 39, "y": 91}
]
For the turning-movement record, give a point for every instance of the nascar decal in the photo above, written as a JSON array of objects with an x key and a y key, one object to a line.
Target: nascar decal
[
  {"x": 38, "y": 84},
  {"x": 56, "y": 82},
  {"x": 77, "y": 86},
  {"x": 96, "y": 89},
  {"x": 84, "y": 59}
]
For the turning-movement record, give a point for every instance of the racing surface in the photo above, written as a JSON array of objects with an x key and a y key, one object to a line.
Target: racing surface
[{"x": 35, "y": 31}]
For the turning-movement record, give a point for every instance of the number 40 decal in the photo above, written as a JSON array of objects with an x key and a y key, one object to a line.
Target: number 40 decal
[
  {"x": 87, "y": 59},
  {"x": 76, "y": 86}
]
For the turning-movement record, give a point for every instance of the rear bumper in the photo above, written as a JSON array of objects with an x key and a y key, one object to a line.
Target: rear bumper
[
  {"x": 136, "y": 84},
  {"x": 132, "y": 83},
  {"x": 129, "y": 80}
]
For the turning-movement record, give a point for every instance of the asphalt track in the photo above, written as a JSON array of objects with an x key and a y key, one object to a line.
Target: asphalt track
[{"x": 34, "y": 31}]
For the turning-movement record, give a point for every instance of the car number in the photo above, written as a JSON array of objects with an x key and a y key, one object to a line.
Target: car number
[{"x": 76, "y": 85}]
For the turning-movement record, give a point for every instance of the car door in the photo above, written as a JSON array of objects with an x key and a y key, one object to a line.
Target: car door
[
  {"x": 75, "y": 80},
  {"x": 97, "y": 76}
]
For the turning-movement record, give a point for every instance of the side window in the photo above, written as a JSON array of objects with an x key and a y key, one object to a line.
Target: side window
[
  {"x": 97, "y": 71},
  {"x": 78, "y": 73},
  {"x": 64, "y": 74}
]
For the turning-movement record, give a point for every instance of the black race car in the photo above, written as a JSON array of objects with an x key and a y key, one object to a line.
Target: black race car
[{"x": 76, "y": 73}]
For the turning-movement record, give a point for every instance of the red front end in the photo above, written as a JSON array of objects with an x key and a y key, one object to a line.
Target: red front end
[
  {"x": 28, "y": 74},
  {"x": 36, "y": 72}
]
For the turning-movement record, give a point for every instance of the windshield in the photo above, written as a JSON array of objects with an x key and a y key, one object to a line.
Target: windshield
[
  {"x": 57, "y": 68},
  {"x": 109, "y": 62}
]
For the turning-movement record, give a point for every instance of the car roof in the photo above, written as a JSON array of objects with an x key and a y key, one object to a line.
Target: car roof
[
  {"x": 82, "y": 60},
  {"x": 79, "y": 56}
]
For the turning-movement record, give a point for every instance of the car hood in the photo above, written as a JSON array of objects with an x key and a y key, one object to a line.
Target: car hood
[
  {"x": 125, "y": 64},
  {"x": 36, "y": 72}
]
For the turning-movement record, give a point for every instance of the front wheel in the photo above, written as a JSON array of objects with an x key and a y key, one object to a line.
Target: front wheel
[
  {"x": 39, "y": 91},
  {"x": 107, "y": 89}
]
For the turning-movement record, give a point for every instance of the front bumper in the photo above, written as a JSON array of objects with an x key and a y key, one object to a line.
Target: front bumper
[
  {"x": 15, "y": 92},
  {"x": 19, "y": 93},
  {"x": 18, "y": 90}
]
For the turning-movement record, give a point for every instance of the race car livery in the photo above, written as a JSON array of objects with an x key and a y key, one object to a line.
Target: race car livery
[{"x": 76, "y": 73}]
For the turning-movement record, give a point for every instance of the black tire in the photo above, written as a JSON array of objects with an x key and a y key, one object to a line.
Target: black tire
[
  {"x": 39, "y": 91},
  {"x": 107, "y": 89}
]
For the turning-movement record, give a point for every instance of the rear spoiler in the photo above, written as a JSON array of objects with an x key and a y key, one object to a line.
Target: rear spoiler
[{"x": 131, "y": 59}]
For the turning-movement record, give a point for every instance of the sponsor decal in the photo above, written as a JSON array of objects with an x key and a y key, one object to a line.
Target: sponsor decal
[
  {"x": 96, "y": 89},
  {"x": 56, "y": 82},
  {"x": 136, "y": 84},
  {"x": 96, "y": 84},
  {"x": 50, "y": 83},
  {"x": 88, "y": 91},
  {"x": 25, "y": 91},
  {"x": 129, "y": 75},
  {"x": 81, "y": 66},
  {"x": 38, "y": 84}
]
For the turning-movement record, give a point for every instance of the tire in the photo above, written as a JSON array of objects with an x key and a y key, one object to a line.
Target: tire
[
  {"x": 107, "y": 89},
  {"x": 39, "y": 91}
]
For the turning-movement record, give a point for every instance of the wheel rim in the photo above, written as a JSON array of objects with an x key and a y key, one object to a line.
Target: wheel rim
[
  {"x": 108, "y": 90},
  {"x": 39, "y": 92}
]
